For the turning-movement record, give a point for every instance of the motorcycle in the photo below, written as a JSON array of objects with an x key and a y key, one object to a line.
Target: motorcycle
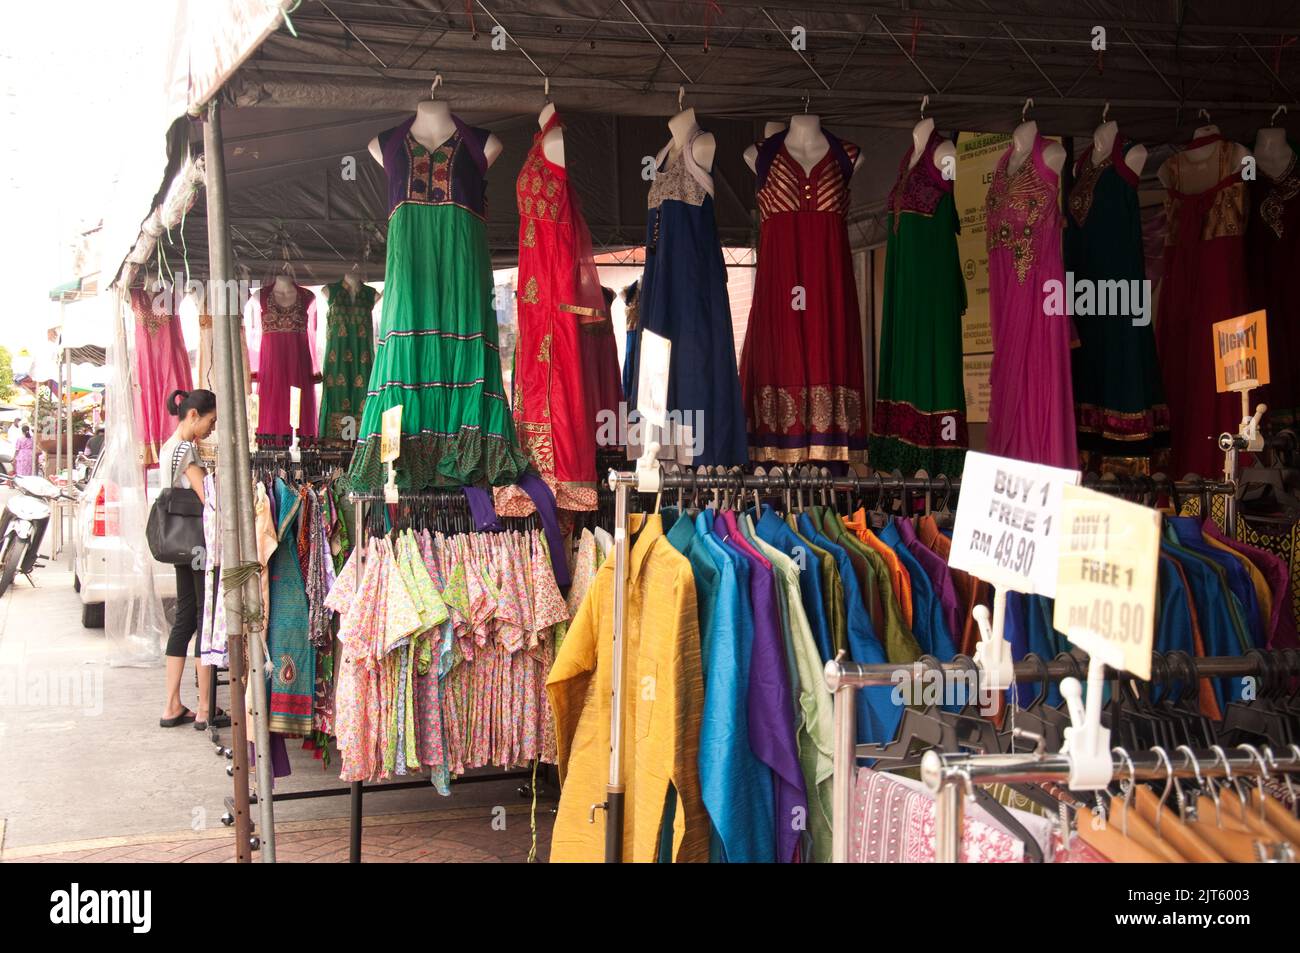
[{"x": 22, "y": 525}]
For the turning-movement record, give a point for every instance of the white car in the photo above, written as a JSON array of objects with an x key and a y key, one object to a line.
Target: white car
[{"x": 98, "y": 548}]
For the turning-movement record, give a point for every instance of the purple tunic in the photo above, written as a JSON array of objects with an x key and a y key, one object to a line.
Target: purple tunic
[
  {"x": 770, "y": 699},
  {"x": 936, "y": 569}
]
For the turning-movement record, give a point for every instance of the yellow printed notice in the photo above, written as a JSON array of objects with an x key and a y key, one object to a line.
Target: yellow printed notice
[
  {"x": 295, "y": 402},
  {"x": 1241, "y": 352},
  {"x": 390, "y": 443},
  {"x": 1106, "y": 578}
]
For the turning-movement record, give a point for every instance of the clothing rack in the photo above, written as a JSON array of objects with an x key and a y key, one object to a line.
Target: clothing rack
[
  {"x": 844, "y": 678},
  {"x": 356, "y": 789},
  {"x": 950, "y": 777},
  {"x": 840, "y": 675}
]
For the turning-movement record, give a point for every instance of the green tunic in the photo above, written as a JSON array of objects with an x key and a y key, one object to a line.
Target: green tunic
[
  {"x": 919, "y": 419},
  {"x": 349, "y": 353}
]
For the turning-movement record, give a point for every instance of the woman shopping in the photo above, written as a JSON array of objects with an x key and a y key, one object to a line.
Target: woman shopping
[
  {"x": 25, "y": 454},
  {"x": 179, "y": 466}
]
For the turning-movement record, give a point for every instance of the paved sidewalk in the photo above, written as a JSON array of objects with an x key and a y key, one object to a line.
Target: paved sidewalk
[
  {"x": 87, "y": 774},
  {"x": 423, "y": 838}
]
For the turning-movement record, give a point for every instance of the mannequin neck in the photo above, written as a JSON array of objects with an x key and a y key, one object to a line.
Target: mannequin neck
[
  {"x": 433, "y": 123},
  {"x": 1201, "y": 153},
  {"x": 283, "y": 284},
  {"x": 804, "y": 129},
  {"x": 683, "y": 126},
  {"x": 920, "y": 138},
  {"x": 545, "y": 115},
  {"x": 1024, "y": 136},
  {"x": 1272, "y": 151},
  {"x": 351, "y": 281},
  {"x": 1103, "y": 141}
]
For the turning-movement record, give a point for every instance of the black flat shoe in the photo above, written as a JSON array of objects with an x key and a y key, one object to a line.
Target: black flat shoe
[
  {"x": 203, "y": 725},
  {"x": 185, "y": 716}
]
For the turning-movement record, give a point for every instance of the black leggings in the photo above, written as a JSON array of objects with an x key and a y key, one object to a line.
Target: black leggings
[{"x": 189, "y": 610}]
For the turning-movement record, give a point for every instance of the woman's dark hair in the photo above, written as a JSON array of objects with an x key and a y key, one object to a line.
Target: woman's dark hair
[
  {"x": 27, "y": 431},
  {"x": 181, "y": 402}
]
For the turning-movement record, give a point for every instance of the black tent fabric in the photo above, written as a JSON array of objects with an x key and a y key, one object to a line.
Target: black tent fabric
[{"x": 305, "y": 104}]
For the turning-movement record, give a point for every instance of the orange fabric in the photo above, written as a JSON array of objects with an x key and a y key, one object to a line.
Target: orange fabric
[{"x": 899, "y": 579}]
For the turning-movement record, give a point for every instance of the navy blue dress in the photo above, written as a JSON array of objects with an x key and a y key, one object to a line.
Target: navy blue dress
[{"x": 683, "y": 297}]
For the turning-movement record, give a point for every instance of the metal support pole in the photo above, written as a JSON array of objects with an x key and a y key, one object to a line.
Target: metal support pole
[
  {"x": 67, "y": 399},
  {"x": 227, "y": 495},
  {"x": 949, "y": 821},
  {"x": 845, "y": 696},
  {"x": 354, "y": 824},
  {"x": 245, "y": 603},
  {"x": 614, "y": 790}
]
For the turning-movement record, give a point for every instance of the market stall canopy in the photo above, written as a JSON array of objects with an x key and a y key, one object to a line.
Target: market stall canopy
[
  {"x": 302, "y": 185},
  {"x": 183, "y": 52}
]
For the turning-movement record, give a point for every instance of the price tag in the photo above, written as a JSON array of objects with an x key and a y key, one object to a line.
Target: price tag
[
  {"x": 390, "y": 443},
  {"x": 1241, "y": 352},
  {"x": 1106, "y": 578},
  {"x": 652, "y": 382},
  {"x": 295, "y": 402},
  {"x": 1007, "y": 522}
]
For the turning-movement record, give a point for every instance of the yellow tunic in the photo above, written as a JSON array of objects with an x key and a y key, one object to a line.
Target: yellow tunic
[{"x": 663, "y": 697}]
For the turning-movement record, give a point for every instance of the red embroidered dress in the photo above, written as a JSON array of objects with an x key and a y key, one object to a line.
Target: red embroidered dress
[
  {"x": 1204, "y": 281},
  {"x": 801, "y": 367},
  {"x": 285, "y": 360},
  {"x": 560, "y": 304}
]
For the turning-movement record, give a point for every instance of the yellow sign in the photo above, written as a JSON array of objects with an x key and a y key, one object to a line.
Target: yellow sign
[
  {"x": 295, "y": 403},
  {"x": 979, "y": 387},
  {"x": 1106, "y": 578},
  {"x": 1241, "y": 352},
  {"x": 977, "y": 160},
  {"x": 390, "y": 444}
]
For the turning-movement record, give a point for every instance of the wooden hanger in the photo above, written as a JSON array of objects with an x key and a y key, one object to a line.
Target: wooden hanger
[{"x": 1113, "y": 844}]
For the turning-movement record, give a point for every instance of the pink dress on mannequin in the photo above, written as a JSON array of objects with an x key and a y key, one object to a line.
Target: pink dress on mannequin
[
  {"x": 1031, "y": 411},
  {"x": 286, "y": 357},
  {"x": 162, "y": 366}
]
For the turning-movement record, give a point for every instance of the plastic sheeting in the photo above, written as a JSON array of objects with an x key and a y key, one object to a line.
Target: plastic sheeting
[{"x": 135, "y": 622}]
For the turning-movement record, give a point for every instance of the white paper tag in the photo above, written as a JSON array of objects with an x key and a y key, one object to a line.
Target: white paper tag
[
  {"x": 1008, "y": 521},
  {"x": 652, "y": 382},
  {"x": 295, "y": 404}
]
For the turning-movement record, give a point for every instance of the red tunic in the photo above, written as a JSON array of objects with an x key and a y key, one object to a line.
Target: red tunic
[
  {"x": 1204, "y": 282},
  {"x": 560, "y": 305},
  {"x": 801, "y": 367}
]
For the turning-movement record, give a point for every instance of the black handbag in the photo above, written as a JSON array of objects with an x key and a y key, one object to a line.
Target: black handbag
[{"x": 175, "y": 527}]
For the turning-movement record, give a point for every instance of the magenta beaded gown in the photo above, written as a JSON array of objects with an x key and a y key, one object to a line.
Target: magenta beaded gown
[
  {"x": 286, "y": 359},
  {"x": 1031, "y": 412}
]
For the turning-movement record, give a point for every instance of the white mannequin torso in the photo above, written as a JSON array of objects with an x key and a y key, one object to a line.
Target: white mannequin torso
[
  {"x": 1272, "y": 152},
  {"x": 921, "y": 136},
  {"x": 683, "y": 126},
  {"x": 1199, "y": 168},
  {"x": 432, "y": 127},
  {"x": 805, "y": 141},
  {"x": 1103, "y": 142},
  {"x": 553, "y": 141},
  {"x": 1022, "y": 147}
]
